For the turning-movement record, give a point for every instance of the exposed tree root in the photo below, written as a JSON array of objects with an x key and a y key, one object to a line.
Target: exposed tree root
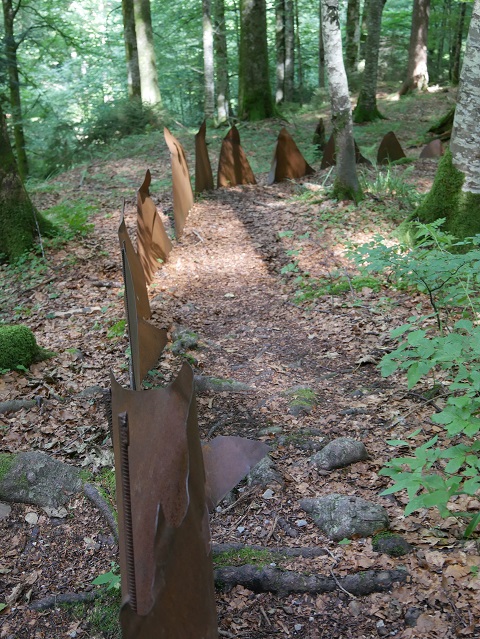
[
  {"x": 96, "y": 498},
  {"x": 66, "y": 598},
  {"x": 218, "y": 549}
]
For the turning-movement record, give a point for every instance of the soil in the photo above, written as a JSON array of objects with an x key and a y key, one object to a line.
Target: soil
[{"x": 226, "y": 281}]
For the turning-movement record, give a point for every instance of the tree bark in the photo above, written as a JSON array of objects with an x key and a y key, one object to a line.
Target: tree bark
[
  {"x": 321, "y": 50},
  {"x": 208, "y": 67},
  {"x": 417, "y": 72},
  {"x": 255, "y": 99},
  {"x": 131, "y": 50},
  {"x": 19, "y": 222},
  {"x": 289, "y": 51},
  {"x": 300, "y": 84},
  {"x": 146, "y": 53},
  {"x": 346, "y": 184},
  {"x": 280, "y": 51},
  {"x": 10, "y": 48},
  {"x": 441, "y": 38},
  {"x": 457, "y": 46},
  {"x": 366, "y": 109},
  {"x": 352, "y": 36},
  {"x": 221, "y": 62}
]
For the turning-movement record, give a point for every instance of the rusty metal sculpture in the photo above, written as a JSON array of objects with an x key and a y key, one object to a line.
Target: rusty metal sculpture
[
  {"x": 163, "y": 488},
  {"x": 319, "y": 138},
  {"x": 390, "y": 149},
  {"x": 203, "y": 168},
  {"x": 288, "y": 163},
  {"x": 138, "y": 277},
  {"x": 182, "y": 188},
  {"x": 432, "y": 150},
  {"x": 146, "y": 340},
  {"x": 153, "y": 243},
  {"x": 233, "y": 166},
  {"x": 329, "y": 158}
]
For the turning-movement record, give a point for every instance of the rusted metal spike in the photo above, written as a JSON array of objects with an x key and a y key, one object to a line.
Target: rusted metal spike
[
  {"x": 203, "y": 168},
  {"x": 288, "y": 163},
  {"x": 233, "y": 166},
  {"x": 138, "y": 276},
  {"x": 433, "y": 149},
  {"x": 329, "y": 158},
  {"x": 227, "y": 460},
  {"x": 182, "y": 189},
  {"x": 153, "y": 243},
  {"x": 173, "y": 565},
  {"x": 389, "y": 149},
  {"x": 127, "y": 508}
]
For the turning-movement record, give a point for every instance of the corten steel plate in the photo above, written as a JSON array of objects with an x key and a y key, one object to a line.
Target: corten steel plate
[
  {"x": 170, "y": 549},
  {"x": 227, "y": 460},
  {"x": 182, "y": 188},
  {"x": 432, "y": 150},
  {"x": 146, "y": 340},
  {"x": 153, "y": 243},
  {"x": 319, "y": 136},
  {"x": 138, "y": 276},
  {"x": 389, "y": 149},
  {"x": 203, "y": 168},
  {"x": 329, "y": 158},
  {"x": 233, "y": 166},
  {"x": 288, "y": 163}
]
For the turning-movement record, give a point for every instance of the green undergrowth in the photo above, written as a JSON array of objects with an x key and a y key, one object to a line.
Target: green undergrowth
[
  {"x": 245, "y": 556},
  {"x": 101, "y": 615},
  {"x": 310, "y": 289}
]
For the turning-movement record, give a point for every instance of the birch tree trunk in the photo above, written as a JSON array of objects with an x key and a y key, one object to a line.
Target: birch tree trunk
[
  {"x": 366, "y": 109},
  {"x": 289, "y": 51},
  {"x": 221, "y": 62},
  {"x": 346, "y": 184},
  {"x": 209, "y": 84},
  {"x": 131, "y": 50},
  {"x": 255, "y": 99},
  {"x": 417, "y": 72},
  {"x": 146, "y": 53},
  {"x": 280, "y": 51}
]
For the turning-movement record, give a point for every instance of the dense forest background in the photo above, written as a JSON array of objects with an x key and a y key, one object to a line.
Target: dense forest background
[{"x": 72, "y": 72}]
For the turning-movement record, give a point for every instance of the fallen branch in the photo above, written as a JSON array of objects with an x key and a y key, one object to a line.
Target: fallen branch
[
  {"x": 268, "y": 579},
  {"x": 97, "y": 499},
  {"x": 16, "y": 404},
  {"x": 306, "y": 553},
  {"x": 66, "y": 598}
]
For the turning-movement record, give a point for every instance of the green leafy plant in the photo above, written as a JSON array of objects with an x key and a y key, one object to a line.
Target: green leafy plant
[
  {"x": 443, "y": 468},
  {"x": 117, "y": 329},
  {"x": 71, "y": 217},
  {"x": 110, "y": 579}
]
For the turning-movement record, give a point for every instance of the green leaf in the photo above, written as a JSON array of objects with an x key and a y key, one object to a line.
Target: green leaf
[{"x": 397, "y": 442}]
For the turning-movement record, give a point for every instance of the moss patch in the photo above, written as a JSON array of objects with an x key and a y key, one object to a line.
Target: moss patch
[
  {"x": 6, "y": 462},
  {"x": 18, "y": 347},
  {"x": 245, "y": 556}
]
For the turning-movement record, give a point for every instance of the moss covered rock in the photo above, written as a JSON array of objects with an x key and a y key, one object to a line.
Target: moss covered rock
[{"x": 18, "y": 347}]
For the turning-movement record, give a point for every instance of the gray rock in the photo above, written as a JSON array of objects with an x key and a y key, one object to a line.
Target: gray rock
[
  {"x": 219, "y": 384},
  {"x": 5, "y": 511},
  {"x": 391, "y": 544},
  {"x": 339, "y": 453},
  {"x": 264, "y": 474},
  {"x": 36, "y": 478},
  {"x": 342, "y": 516},
  {"x": 270, "y": 430},
  {"x": 183, "y": 340},
  {"x": 302, "y": 400},
  {"x": 411, "y": 617}
]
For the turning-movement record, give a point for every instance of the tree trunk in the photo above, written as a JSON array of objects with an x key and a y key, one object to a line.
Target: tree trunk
[
  {"x": 289, "y": 51},
  {"x": 455, "y": 194},
  {"x": 417, "y": 72},
  {"x": 131, "y": 50},
  {"x": 10, "y": 48},
  {"x": 221, "y": 62},
  {"x": 321, "y": 50},
  {"x": 366, "y": 109},
  {"x": 19, "y": 222},
  {"x": 352, "y": 36},
  {"x": 457, "y": 46},
  {"x": 346, "y": 184},
  {"x": 298, "y": 48},
  {"x": 441, "y": 39},
  {"x": 255, "y": 100},
  {"x": 146, "y": 53},
  {"x": 280, "y": 51},
  {"x": 209, "y": 85}
]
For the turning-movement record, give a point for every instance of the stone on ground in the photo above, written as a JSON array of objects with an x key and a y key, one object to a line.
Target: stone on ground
[{"x": 340, "y": 452}]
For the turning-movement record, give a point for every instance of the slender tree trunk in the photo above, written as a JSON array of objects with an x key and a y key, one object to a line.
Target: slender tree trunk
[
  {"x": 321, "y": 50},
  {"x": 280, "y": 51},
  {"x": 298, "y": 48},
  {"x": 352, "y": 34},
  {"x": 441, "y": 39},
  {"x": 366, "y": 109},
  {"x": 457, "y": 46},
  {"x": 209, "y": 83},
  {"x": 417, "y": 72},
  {"x": 146, "y": 53},
  {"x": 131, "y": 50},
  {"x": 346, "y": 184},
  {"x": 221, "y": 62},
  {"x": 10, "y": 48},
  {"x": 255, "y": 99},
  {"x": 363, "y": 31},
  {"x": 289, "y": 51}
]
